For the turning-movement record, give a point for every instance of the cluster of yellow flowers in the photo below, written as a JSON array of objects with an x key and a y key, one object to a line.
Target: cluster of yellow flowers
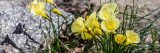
[
  {"x": 91, "y": 27},
  {"x": 37, "y": 7},
  {"x": 87, "y": 27}
]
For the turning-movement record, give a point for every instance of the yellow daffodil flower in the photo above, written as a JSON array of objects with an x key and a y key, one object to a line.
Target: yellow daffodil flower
[
  {"x": 107, "y": 11},
  {"x": 92, "y": 21},
  {"x": 38, "y": 8},
  {"x": 56, "y": 11},
  {"x": 86, "y": 36},
  {"x": 93, "y": 24},
  {"x": 78, "y": 25},
  {"x": 110, "y": 25},
  {"x": 119, "y": 38},
  {"x": 132, "y": 37}
]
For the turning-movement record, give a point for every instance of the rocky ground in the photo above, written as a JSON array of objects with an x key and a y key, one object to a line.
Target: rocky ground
[{"x": 21, "y": 31}]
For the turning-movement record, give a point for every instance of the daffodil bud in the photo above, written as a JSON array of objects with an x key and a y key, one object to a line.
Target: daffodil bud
[
  {"x": 56, "y": 11},
  {"x": 50, "y": 1}
]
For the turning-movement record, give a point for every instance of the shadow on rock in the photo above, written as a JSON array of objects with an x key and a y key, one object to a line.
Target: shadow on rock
[
  {"x": 7, "y": 40},
  {"x": 20, "y": 30}
]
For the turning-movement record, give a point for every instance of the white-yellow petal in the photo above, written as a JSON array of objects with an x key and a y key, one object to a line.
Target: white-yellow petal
[
  {"x": 107, "y": 11},
  {"x": 112, "y": 6}
]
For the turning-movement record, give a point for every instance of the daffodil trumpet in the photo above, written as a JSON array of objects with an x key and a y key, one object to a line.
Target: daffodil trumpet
[
  {"x": 110, "y": 25},
  {"x": 132, "y": 37},
  {"x": 119, "y": 38}
]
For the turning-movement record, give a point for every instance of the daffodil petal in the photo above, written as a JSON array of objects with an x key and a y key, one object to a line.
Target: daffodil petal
[
  {"x": 38, "y": 8},
  {"x": 112, "y": 6},
  {"x": 97, "y": 31},
  {"x": 78, "y": 25},
  {"x": 132, "y": 37},
  {"x": 92, "y": 21},
  {"x": 86, "y": 35},
  {"x": 107, "y": 11}
]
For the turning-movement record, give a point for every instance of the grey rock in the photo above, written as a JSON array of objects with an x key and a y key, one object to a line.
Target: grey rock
[{"x": 20, "y": 30}]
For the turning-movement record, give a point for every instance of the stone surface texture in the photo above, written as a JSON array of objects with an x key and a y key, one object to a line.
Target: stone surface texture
[{"x": 20, "y": 30}]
